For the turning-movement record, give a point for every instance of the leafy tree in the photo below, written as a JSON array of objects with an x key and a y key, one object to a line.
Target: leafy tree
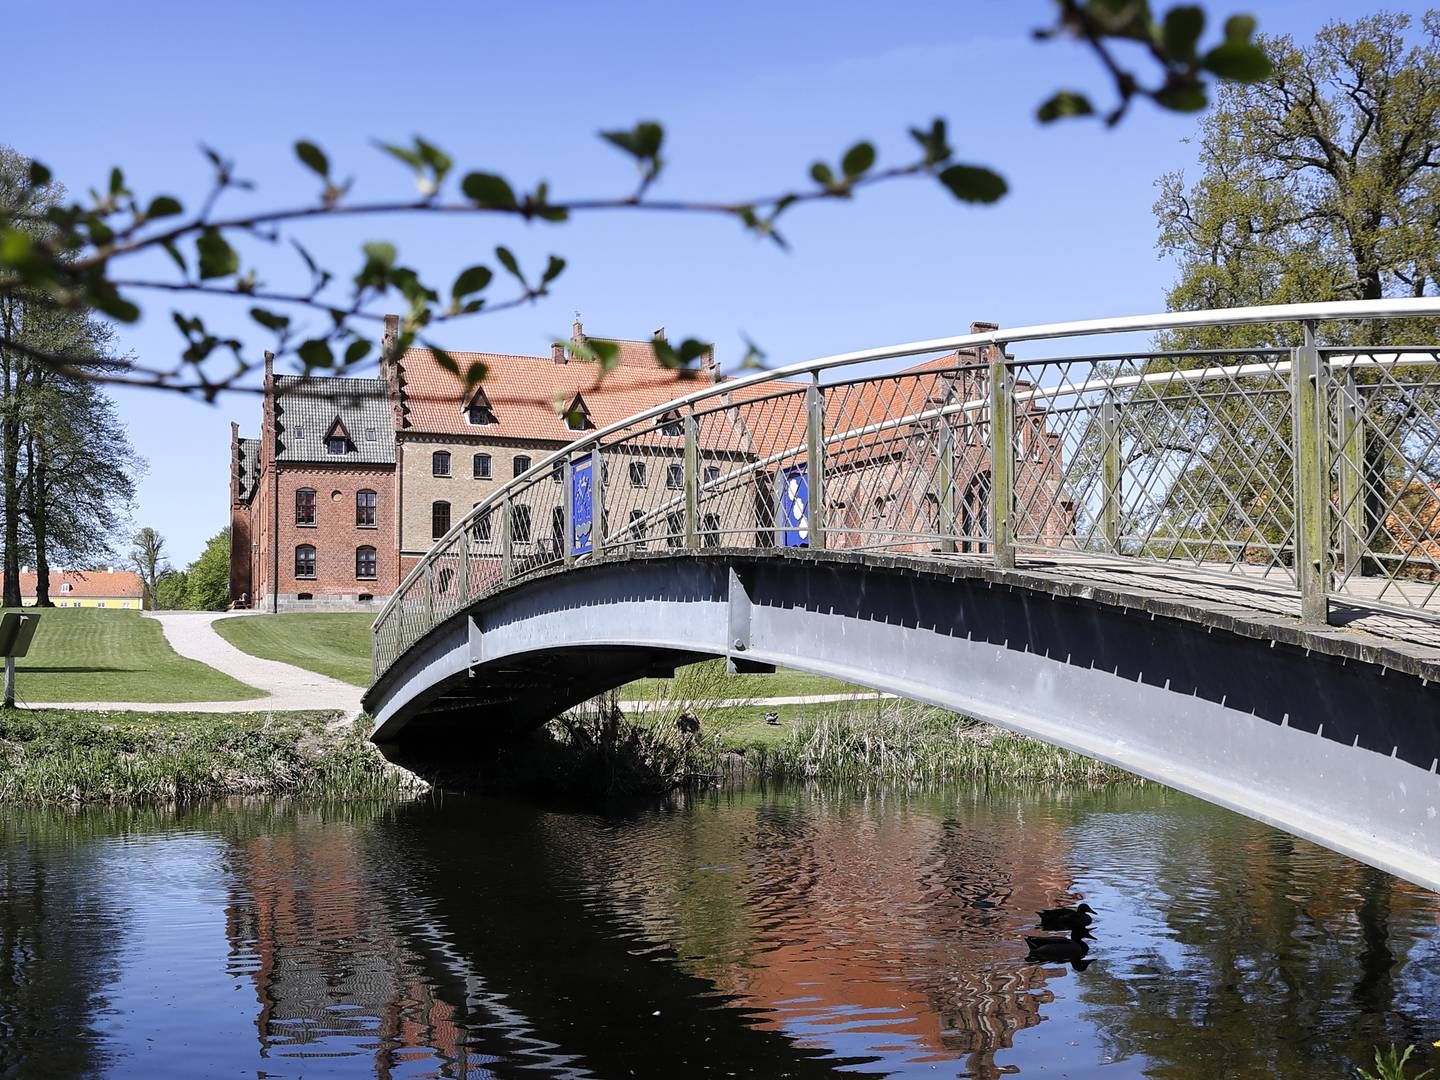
[
  {"x": 172, "y": 590},
  {"x": 147, "y": 556},
  {"x": 76, "y": 254},
  {"x": 207, "y": 584},
  {"x": 1319, "y": 182}
]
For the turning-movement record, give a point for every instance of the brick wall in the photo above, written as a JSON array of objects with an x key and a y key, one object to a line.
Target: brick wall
[{"x": 335, "y": 535}]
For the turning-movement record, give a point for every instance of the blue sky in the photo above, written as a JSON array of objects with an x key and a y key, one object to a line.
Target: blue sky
[{"x": 750, "y": 94}]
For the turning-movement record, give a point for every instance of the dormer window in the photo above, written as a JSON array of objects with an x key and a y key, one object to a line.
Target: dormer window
[
  {"x": 478, "y": 411},
  {"x": 337, "y": 439},
  {"x": 577, "y": 415},
  {"x": 671, "y": 424}
]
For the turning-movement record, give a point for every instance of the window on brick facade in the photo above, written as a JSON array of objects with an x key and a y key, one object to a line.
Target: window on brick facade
[
  {"x": 557, "y": 529},
  {"x": 365, "y": 562},
  {"x": 674, "y": 530},
  {"x": 637, "y": 524},
  {"x": 710, "y": 530},
  {"x": 439, "y": 519},
  {"x": 480, "y": 465},
  {"x": 675, "y": 476},
  {"x": 520, "y": 523},
  {"x": 478, "y": 411},
  {"x": 365, "y": 508},
  {"x": 482, "y": 526},
  {"x": 305, "y": 561},
  {"x": 712, "y": 473},
  {"x": 637, "y": 474},
  {"x": 520, "y": 464},
  {"x": 305, "y": 506},
  {"x": 440, "y": 463},
  {"x": 337, "y": 438},
  {"x": 557, "y": 473}
]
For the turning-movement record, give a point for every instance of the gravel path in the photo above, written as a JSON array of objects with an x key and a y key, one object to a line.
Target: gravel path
[{"x": 285, "y": 688}]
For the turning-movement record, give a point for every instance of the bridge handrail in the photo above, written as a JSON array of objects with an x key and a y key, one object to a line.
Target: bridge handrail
[{"x": 1348, "y": 359}]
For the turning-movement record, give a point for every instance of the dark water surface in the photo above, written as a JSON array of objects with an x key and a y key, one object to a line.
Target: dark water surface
[{"x": 768, "y": 933}]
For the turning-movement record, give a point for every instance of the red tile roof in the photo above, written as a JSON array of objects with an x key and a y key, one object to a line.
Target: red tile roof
[
  {"x": 529, "y": 394},
  {"x": 87, "y": 583}
]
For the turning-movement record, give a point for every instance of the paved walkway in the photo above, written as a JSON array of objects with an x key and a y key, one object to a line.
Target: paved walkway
[{"x": 285, "y": 687}]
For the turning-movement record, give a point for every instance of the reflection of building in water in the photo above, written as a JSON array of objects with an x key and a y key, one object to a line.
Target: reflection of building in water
[
  {"x": 330, "y": 974},
  {"x": 884, "y": 935}
]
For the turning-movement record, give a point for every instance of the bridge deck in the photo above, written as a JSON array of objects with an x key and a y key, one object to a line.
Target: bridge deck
[{"x": 1247, "y": 589}]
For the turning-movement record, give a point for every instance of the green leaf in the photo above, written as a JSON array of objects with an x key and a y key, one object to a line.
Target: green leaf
[
  {"x": 507, "y": 260},
  {"x": 443, "y": 358},
  {"x": 1181, "y": 96},
  {"x": 1064, "y": 104},
  {"x": 641, "y": 142},
  {"x": 471, "y": 280},
  {"x": 607, "y": 353},
  {"x": 408, "y": 156},
  {"x": 553, "y": 270},
  {"x": 475, "y": 373},
  {"x": 313, "y": 157},
  {"x": 489, "y": 190},
  {"x": 439, "y": 161},
  {"x": 1239, "y": 61},
  {"x": 933, "y": 142},
  {"x": 163, "y": 206},
  {"x": 117, "y": 181},
  {"x": 381, "y": 252},
  {"x": 974, "y": 183},
  {"x": 39, "y": 174},
  {"x": 271, "y": 320},
  {"x": 174, "y": 253},
  {"x": 1183, "y": 27},
  {"x": 857, "y": 160},
  {"x": 821, "y": 174},
  {"x": 114, "y": 305},
  {"x": 217, "y": 257},
  {"x": 315, "y": 353},
  {"x": 357, "y": 350},
  {"x": 1239, "y": 28}
]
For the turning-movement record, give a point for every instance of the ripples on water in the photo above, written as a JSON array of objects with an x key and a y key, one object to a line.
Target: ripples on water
[{"x": 769, "y": 933}]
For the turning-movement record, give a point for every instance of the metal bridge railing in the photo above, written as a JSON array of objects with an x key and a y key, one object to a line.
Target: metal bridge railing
[{"x": 1317, "y": 468}]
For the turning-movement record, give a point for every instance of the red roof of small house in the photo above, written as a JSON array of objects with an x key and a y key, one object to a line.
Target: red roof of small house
[{"x": 103, "y": 584}]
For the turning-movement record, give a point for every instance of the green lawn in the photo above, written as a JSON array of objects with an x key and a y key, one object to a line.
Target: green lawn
[
  {"x": 83, "y": 654},
  {"x": 330, "y": 643}
]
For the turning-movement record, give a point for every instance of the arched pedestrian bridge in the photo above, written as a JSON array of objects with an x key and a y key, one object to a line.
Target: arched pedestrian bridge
[{"x": 1219, "y": 569}]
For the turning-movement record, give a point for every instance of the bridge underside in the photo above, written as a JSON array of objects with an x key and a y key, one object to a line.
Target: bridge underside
[{"x": 1330, "y": 735}]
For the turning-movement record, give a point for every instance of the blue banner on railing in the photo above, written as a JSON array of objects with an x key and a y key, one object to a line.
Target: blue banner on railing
[
  {"x": 582, "y": 505},
  {"x": 793, "y": 493}
]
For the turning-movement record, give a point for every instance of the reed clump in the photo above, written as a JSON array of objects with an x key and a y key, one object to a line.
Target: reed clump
[{"x": 71, "y": 756}]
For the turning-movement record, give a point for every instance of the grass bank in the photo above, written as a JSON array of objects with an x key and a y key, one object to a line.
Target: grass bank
[
  {"x": 69, "y": 756},
  {"x": 333, "y": 643},
  {"x": 83, "y": 654}
]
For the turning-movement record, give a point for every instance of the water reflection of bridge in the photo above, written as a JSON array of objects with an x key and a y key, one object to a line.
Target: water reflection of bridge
[{"x": 1218, "y": 569}]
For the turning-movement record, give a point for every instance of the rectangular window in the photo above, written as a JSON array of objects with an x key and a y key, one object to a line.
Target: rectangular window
[
  {"x": 637, "y": 474},
  {"x": 675, "y": 477},
  {"x": 439, "y": 519},
  {"x": 482, "y": 526},
  {"x": 480, "y": 466},
  {"x": 305, "y": 506},
  {"x": 336, "y": 445},
  {"x": 520, "y": 463},
  {"x": 637, "y": 524},
  {"x": 674, "y": 530},
  {"x": 440, "y": 463},
  {"x": 712, "y": 473},
  {"x": 305, "y": 561},
  {"x": 557, "y": 474},
  {"x": 365, "y": 509},
  {"x": 520, "y": 523}
]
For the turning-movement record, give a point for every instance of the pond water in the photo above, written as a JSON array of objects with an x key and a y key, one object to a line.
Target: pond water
[{"x": 778, "y": 932}]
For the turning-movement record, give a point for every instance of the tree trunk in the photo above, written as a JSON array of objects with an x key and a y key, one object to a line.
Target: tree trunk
[
  {"x": 38, "y": 505},
  {"x": 10, "y": 464}
]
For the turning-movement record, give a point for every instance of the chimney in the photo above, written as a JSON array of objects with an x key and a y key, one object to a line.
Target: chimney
[
  {"x": 983, "y": 327},
  {"x": 660, "y": 333},
  {"x": 269, "y": 365},
  {"x": 557, "y": 352},
  {"x": 387, "y": 339}
]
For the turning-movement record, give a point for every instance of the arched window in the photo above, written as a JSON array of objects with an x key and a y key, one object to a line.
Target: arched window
[
  {"x": 674, "y": 477},
  {"x": 520, "y": 464},
  {"x": 365, "y": 562},
  {"x": 439, "y": 519},
  {"x": 305, "y": 506},
  {"x": 440, "y": 463},
  {"x": 480, "y": 464},
  {"x": 482, "y": 526},
  {"x": 637, "y": 524},
  {"x": 365, "y": 508},
  {"x": 674, "y": 530},
  {"x": 305, "y": 561}
]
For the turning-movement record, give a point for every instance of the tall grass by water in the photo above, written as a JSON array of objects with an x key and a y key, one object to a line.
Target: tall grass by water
[{"x": 68, "y": 756}]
